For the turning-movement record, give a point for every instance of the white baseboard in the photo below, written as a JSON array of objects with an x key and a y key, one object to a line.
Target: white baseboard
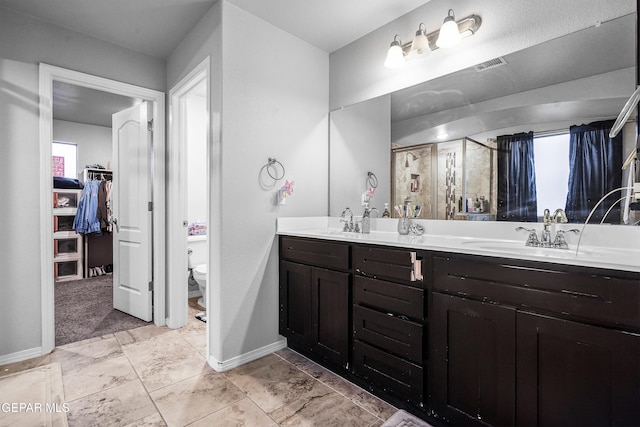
[
  {"x": 222, "y": 366},
  {"x": 19, "y": 356}
]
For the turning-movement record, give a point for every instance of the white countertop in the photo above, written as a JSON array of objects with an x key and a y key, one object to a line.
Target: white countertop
[{"x": 603, "y": 246}]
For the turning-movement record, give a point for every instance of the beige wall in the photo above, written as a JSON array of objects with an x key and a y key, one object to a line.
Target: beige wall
[
  {"x": 94, "y": 142},
  {"x": 359, "y": 136},
  {"x": 265, "y": 103},
  {"x": 24, "y": 43}
]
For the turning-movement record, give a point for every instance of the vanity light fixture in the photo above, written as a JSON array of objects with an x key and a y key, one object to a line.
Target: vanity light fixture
[
  {"x": 449, "y": 32},
  {"x": 422, "y": 43}
]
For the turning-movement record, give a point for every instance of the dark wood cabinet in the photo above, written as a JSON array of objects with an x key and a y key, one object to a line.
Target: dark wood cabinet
[
  {"x": 330, "y": 315},
  {"x": 295, "y": 303},
  {"x": 575, "y": 374},
  {"x": 473, "y": 353},
  {"x": 388, "y": 320},
  {"x": 314, "y": 301},
  {"x": 533, "y": 344},
  {"x": 471, "y": 340}
]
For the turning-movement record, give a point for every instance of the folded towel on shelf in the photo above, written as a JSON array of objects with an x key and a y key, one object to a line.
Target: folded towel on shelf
[
  {"x": 66, "y": 183},
  {"x": 197, "y": 228}
]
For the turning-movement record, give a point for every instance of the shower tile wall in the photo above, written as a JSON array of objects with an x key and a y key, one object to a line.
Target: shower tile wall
[
  {"x": 414, "y": 177},
  {"x": 413, "y": 182},
  {"x": 479, "y": 167},
  {"x": 450, "y": 175}
]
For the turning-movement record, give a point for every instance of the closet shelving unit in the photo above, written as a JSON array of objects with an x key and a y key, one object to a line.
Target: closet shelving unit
[
  {"x": 68, "y": 248},
  {"x": 96, "y": 173}
]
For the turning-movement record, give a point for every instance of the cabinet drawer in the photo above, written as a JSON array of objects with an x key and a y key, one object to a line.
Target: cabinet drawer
[
  {"x": 389, "y": 297},
  {"x": 67, "y": 270},
  {"x": 391, "y": 264},
  {"x": 66, "y": 198},
  {"x": 67, "y": 245},
  {"x": 398, "y": 336},
  {"x": 393, "y": 374},
  {"x": 63, "y": 222},
  {"x": 315, "y": 252},
  {"x": 588, "y": 293}
]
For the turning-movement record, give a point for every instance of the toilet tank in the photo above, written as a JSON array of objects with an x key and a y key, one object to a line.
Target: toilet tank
[{"x": 197, "y": 245}]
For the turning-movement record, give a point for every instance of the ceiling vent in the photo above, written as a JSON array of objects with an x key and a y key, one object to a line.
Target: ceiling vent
[{"x": 492, "y": 63}]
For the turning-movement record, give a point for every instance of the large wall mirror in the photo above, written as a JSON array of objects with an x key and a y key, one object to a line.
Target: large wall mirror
[{"x": 437, "y": 144}]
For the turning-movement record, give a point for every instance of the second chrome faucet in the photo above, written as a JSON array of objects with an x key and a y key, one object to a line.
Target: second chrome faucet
[
  {"x": 547, "y": 240},
  {"x": 352, "y": 226}
]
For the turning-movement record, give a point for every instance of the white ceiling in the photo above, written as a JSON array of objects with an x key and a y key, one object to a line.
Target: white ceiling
[
  {"x": 78, "y": 104},
  {"x": 328, "y": 24},
  {"x": 156, "y": 27}
]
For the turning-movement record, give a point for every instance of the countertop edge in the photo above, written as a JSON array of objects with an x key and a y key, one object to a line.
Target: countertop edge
[{"x": 454, "y": 244}]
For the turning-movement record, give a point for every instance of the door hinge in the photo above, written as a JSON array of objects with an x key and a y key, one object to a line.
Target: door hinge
[
  {"x": 150, "y": 207},
  {"x": 150, "y": 286},
  {"x": 150, "y": 125}
]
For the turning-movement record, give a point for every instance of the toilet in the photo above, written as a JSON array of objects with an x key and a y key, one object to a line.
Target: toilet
[
  {"x": 200, "y": 274},
  {"x": 197, "y": 263}
]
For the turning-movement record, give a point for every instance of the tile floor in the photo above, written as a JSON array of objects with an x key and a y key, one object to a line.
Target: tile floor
[{"x": 154, "y": 376}]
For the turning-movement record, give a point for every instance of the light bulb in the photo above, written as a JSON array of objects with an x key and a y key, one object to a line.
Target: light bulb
[
  {"x": 420, "y": 43},
  {"x": 395, "y": 55},
  {"x": 449, "y": 34}
]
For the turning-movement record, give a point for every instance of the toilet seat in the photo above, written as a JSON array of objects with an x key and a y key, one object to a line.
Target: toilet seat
[{"x": 200, "y": 270}]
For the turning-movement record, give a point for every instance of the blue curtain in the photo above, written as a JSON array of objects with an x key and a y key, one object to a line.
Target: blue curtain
[
  {"x": 595, "y": 162},
  {"x": 517, "y": 198}
]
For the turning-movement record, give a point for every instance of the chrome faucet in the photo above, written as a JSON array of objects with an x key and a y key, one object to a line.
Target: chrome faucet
[
  {"x": 532, "y": 238},
  {"x": 546, "y": 240},
  {"x": 545, "y": 236},
  {"x": 560, "y": 216},
  {"x": 560, "y": 242},
  {"x": 348, "y": 225}
]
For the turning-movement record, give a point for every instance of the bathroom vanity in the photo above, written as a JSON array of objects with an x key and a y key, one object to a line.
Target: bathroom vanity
[{"x": 460, "y": 333}]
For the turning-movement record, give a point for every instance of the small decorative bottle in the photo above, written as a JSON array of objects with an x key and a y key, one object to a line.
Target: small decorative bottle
[{"x": 386, "y": 213}]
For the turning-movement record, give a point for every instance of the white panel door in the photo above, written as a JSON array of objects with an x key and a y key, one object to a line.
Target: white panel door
[{"x": 131, "y": 196}]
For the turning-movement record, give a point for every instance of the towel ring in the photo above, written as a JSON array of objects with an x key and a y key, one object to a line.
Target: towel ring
[
  {"x": 270, "y": 164},
  {"x": 372, "y": 180}
]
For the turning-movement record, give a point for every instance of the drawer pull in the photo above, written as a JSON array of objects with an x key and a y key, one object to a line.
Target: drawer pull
[{"x": 363, "y": 274}]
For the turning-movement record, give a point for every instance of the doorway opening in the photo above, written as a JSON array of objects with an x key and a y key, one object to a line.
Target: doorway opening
[
  {"x": 188, "y": 205},
  {"x": 84, "y": 169},
  {"x": 97, "y": 164}
]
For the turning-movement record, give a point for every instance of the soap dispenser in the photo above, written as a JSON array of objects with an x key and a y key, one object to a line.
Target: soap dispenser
[
  {"x": 386, "y": 213},
  {"x": 366, "y": 220}
]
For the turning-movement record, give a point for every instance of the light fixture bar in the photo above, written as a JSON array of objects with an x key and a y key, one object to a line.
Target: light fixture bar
[{"x": 467, "y": 26}]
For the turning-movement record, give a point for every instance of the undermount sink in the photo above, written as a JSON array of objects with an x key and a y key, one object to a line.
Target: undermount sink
[
  {"x": 519, "y": 248},
  {"x": 330, "y": 231}
]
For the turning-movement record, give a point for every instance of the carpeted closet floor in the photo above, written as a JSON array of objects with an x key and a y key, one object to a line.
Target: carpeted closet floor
[{"x": 84, "y": 309}]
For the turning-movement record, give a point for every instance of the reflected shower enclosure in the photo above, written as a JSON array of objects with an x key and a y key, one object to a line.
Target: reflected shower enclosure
[{"x": 454, "y": 180}]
